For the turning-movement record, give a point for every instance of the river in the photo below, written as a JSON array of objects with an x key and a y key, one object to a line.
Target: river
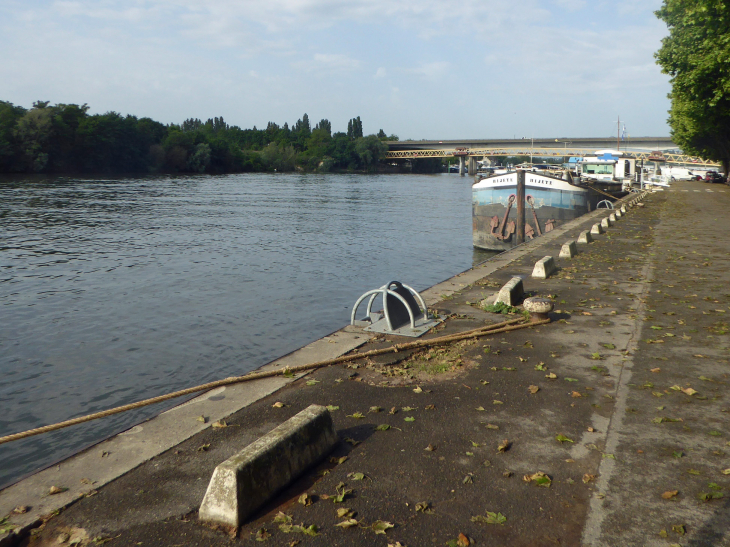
[{"x": 113, "y": 290}]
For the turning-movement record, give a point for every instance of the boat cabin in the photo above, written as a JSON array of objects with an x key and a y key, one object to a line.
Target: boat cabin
[{"x": 607, "y": 165}]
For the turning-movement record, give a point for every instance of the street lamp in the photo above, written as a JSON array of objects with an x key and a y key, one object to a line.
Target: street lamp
[{"x": 565, "y": 148}]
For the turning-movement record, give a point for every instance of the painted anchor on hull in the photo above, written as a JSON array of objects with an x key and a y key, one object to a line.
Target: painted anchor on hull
[
  {"x": 504, "y": 230},
  {"x": 500, "y": 227}
]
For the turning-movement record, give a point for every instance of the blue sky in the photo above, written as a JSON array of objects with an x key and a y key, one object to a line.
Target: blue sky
[{"x": 422, "y": 69}]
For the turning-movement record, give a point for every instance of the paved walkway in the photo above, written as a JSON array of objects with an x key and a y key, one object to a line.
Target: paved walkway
[{"x": 631, "y": 376}]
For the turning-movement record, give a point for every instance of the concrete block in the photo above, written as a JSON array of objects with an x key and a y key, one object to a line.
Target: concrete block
[
  {"x": 618, "y": 213},
  {"x": 623, "y": 209},
  {"x": 544, "y": 268},
  {"x": 245, "y": 482},
  {"x": 585, "y": 237},
  {"x": 596, "y": 229},
  {"x": 569, "y": 250},
  {"x": 512, "y": 293},
  {"x": 605, "y": 223},
  {"x": 612, "y": 218}
]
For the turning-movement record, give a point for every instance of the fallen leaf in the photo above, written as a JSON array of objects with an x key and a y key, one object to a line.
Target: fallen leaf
[
  {"x": 576, "y": 395},
  {"x": 204, "y": 447},
  {"x": 356, "y": 415},
  {"x": 430, "y": 448},
  {"x": 353, "y": 442},
  {"x": 679, "y": 529},
  {"x": 393, "y": 410},
  {"x": 669, "y": 494},
  {"x": 492, "y": 426},
  {"x": 533, "y": 389},
  {"x": 381, "y": 526},
  {"x": 591, "y": 430},
  {"x": 340, "y": 460},
  {"x": 504, "y": 446},
  {"x": 56, "y": 490},
  {"x": 409, "y": 419},
  {"x": 423, "y": 507},
  {"x": 356, "y": 476},
  {"x": 345, "y": 512},
  {"x": 571, "y": 379},
  {"x": 262, "y": 534},
  {"x": 563, "y": 439},
  {"x": 551, "y": 376},
  {"x": 279, "y": 404},
  {"x": 480, "y": 408},
  {"x": 375, "y": 409},
  {"x": 349, "y": 523},
  {"x": 496, "y": 402},
  {"x": 382, "y": 427},
  {"x": 202, "y": 419},
  {"x": 539, "y": 478},
  {"x": 463, "y": 541},
  {"x": 305, "y": 499},
  {"x": 312, "y": 382},
  {"x": 689, "y": 391},
  {"x": 220, "y": 424},
  {"x": 588, "y": 478},
  {"x": 417, "y": 389},
  {"x": 21, "y": 510},
  {"x": 282, "y": 518},
  {"x": 656, "y": 370},
  {"x": 491, "y": 518}
]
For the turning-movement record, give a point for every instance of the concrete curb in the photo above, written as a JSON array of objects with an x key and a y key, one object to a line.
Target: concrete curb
[
  {"x": 585, "y": 237},
  {"x": 605, "y": 223},
  {"x": 245, "y": 482},
  {"x": 569, "y": 250},
  {"x": 597, "y": 229},
  {"x": 544, "y": 268},
  {"x": 512, "y": 293}
]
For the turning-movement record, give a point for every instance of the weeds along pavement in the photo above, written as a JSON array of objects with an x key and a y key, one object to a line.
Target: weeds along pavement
[{"x": 605, "y": 427}]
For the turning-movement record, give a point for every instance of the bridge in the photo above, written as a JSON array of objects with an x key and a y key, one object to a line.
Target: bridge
[{"x": 659, "y": 149}]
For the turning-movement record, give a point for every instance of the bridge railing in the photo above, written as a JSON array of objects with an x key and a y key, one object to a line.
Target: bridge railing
[{"x": 543, "y": 152}]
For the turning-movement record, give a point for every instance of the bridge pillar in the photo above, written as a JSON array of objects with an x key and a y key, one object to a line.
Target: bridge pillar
[
  {"x": 461, "y": 166},
  {"x": 472, "y": 166}
]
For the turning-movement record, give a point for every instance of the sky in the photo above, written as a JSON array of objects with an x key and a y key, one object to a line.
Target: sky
[{"x": 419, "y": 69}]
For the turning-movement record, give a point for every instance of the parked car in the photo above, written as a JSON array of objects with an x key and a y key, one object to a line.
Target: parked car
[{"x": 714, "y": 176}]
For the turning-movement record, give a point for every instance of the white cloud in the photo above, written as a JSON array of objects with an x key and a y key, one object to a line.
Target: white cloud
[
  {"x": 329, "y": 62},
  {"x": 431, "y": 70},
  {"x": 380, "y": 73}
]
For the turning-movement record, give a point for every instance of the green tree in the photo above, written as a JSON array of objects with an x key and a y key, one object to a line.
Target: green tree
[
  {"x": 371, "y": 150},
  {"x": 9, "y": 116},
  {"x": 696, "y": 55},
  {"x": 33, "y": 131},
  {"x": 325, "y": 125}
]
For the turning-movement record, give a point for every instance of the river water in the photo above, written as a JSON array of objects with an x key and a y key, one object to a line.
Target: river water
[{"x": 115, "y": 290}]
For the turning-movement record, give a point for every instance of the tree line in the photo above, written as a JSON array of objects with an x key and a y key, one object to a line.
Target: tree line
[{"x": 65, "y": 138}]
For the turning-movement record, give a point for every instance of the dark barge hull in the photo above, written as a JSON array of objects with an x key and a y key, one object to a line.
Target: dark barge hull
[{"x": 553, "y": 201}]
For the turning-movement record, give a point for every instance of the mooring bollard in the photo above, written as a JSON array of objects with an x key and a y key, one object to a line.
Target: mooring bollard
[{"x": 538, "y": 308}]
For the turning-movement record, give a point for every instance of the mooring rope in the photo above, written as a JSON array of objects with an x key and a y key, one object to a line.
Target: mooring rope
[
  {"x": 474, "y": 333},
  {"x": 601, "y": 192}
]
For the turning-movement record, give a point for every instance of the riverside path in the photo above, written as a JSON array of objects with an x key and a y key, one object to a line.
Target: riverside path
[{"x": 606, "y": 427}]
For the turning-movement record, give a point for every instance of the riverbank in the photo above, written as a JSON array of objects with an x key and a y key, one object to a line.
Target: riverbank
[{"x": 639, "y": 312}]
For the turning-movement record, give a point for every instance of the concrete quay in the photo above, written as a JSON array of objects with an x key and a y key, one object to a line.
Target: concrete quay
[{"x": 607, "y": 426}]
